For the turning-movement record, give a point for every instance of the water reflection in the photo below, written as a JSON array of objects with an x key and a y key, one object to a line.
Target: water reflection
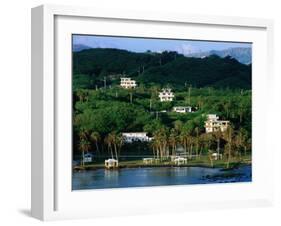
[{"x": 158, "y": 176}]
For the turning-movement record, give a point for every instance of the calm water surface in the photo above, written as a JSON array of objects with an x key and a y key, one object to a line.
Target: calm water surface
[{"x": 158, "y": 176}]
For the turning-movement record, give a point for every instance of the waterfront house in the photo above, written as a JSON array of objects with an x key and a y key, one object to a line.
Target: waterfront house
[
  {"x": 166, "y": 95},
  {"x": 88, "y": 157},
  {"x": 213, "y": 124},
  {"x": 148, "y": 160},
  {"x": 180, "y": 160},
  {"x": 127, "y": 83},
  {"x": 131, "y": 137},
  {"x": 216, "y": 156},
  {"x": 111, "y": 163}
]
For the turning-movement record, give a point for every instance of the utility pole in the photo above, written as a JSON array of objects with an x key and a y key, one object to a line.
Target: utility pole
[
  {"x": 104, "y": 82},
  {"x": 131, "y": 97},
  {"x": 189, "y": 91}
]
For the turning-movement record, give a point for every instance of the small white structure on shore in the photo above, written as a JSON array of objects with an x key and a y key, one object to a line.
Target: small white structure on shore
[
  {"x": 213, "y": 124},
  {"x": 148, "y": 160},
  {"x": 216, "y": 156},
  {"x": 136, "y": 136},
  {"x": 180, "y": 160},
  {"x": 166, "y": 95},
  {"x": 111, "y": 163},
  {"x": 127, "y": 83},
  {"x": 183, "y": 109},
  {"x": 88, "y": 157}
]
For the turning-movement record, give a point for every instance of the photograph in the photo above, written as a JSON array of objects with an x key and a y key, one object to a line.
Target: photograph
[{"x": 160, "y": 112}]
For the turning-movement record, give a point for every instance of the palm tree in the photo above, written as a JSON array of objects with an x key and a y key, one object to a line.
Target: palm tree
[
  {"x": 83, "y": 134},
  {"x": 108, "y": 142},
  {"x": 245, "y": 141},
  {"x": 183, "y": 142},
  {"x": 190, "y": 141},
  {"x": 160, "y": 138},
  {"x": 156, "y": 143},
  {"x": 206, "y": 141},
  {"x": 229, "y": 137},
  {"x": 217, "y": 136},
  {"x": 178, "y": 126},
  {"x": 201, "y": 144},
  {"x": 84, "y": 146},
  {"x": 115, "y": 141},
  {"x": 173, "y": 141},
  {"x": 95, "y": 136},
  {"x": 119, "y": 142},
  {"x": 154, "y": 147},
  {"x": 197, "y": 141},
  {"x": 210, "y": 158},
  {"x": 113, "y": 138}
]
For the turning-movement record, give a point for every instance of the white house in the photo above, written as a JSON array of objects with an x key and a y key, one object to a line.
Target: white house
[
  {"x": 148, "y": 160},
  {"x": 136, "y": 136},
  {"x": 216, "y": 156},
  {"x": 180, "y": 109},
  {"x": 88, "y": 157},
  {"x": 111, "y": 163},
  {"x": 127, "y": 83},
  {"x": 213, "y": 124},
  {"x": 180, "y": 160},
  {"x": 166, "y": 95}
]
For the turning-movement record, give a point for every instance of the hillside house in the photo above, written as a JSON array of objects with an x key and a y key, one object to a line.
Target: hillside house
[
  {"x": 128, "y": 83},
  {"x": 136, "y": 136},
  {"x": 213, "y": 124},
  {"x": 166, "y": 95},
  {"x": 183, "y": 109}
]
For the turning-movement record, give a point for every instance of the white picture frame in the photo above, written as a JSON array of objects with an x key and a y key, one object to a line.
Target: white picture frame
[{"x": 52, "y": 197}]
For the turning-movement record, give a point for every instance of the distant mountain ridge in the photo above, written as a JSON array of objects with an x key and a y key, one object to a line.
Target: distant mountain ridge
[
  {"x": 243, "y": 55},
  {"x": 80, "y": 47}
]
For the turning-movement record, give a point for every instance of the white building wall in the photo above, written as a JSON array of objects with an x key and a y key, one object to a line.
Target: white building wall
[{"x": 128, "y": 83}]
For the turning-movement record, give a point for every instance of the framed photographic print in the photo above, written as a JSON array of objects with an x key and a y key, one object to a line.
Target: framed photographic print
[{"x": 135, "y": 112}]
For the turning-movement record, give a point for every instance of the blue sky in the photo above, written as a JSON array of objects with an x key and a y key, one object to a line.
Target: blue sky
[{"x": 155, "y": 45}]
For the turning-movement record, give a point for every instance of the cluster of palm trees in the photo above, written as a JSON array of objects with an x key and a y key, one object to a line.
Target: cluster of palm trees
[
  {"x": 166, "y": 142},
  {"x": 87, "y": 139},
  {"x": 194, "y": 142},
  {"x": 114, "y": 142}
]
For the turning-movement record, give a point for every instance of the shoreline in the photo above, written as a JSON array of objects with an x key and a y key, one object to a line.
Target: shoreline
[{"x": 91, "y": 167}]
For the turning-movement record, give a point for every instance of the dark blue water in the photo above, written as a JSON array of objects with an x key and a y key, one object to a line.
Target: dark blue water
[{"x": 157, "y": 176}]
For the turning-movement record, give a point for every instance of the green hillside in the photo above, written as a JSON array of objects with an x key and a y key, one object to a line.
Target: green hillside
[{"x": 91, "y": 66}]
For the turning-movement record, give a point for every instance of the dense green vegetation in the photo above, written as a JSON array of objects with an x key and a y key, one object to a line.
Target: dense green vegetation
[
  {"x": 168, "y": 68},
  {"x": 101, "y": 115},
  {"x": 103, "y": 110}
]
